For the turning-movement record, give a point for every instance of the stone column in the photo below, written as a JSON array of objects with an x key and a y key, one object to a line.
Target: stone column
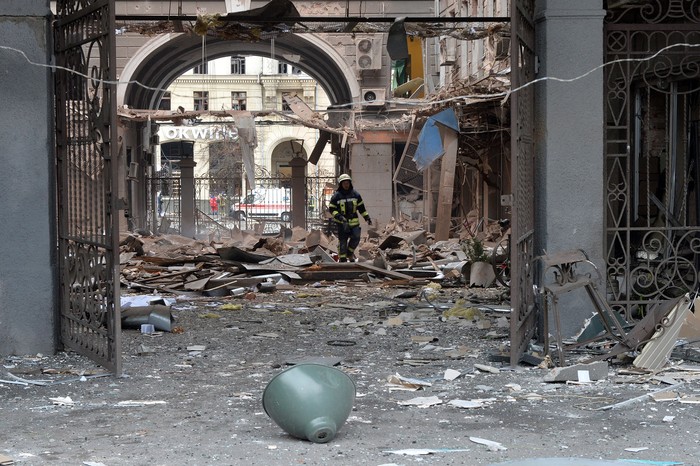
[
  {"x": 569, "y": 132},
  {"x": 187, "y": 218},
  {"x": 28, "y": 256}
]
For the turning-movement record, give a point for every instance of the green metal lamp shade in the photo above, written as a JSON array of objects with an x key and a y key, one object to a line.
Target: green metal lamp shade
[{"x": 310, "y": 401}]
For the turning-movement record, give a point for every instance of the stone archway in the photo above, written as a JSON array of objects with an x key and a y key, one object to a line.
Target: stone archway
[
  {"x": 161, "y": 60},
  {"x": 282, "y": 155}
]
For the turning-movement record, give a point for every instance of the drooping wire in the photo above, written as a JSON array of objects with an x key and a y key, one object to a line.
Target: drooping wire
[{"x": 418, "y": 103}]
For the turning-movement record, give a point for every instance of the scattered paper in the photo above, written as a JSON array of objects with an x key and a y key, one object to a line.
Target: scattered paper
[
  {"x": 140, "y": 403},
  {"x": 451, "y": 374},
  {"x": 424, "y": 451},
  {"x": 636, "y": 449}
]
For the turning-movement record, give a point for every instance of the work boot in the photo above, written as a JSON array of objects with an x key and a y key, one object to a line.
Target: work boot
[{"x": 343, "y": 259}]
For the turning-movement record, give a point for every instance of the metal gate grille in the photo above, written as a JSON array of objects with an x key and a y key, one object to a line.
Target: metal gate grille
[
  {"x": 523, "y": 320},
  {"x": 85, "y": 150},
  {"x": 652, "y": 153}
]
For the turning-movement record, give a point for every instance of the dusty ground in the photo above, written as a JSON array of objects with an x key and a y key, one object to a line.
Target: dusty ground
[{"x": 203, "y": 407}]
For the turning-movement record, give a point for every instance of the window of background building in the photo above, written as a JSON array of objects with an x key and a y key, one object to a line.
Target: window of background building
[
  {"x": 237, "y": 65},
  {"x": 281, "y": 68},
  {"x": 238, "y": 100},
  {"x": 201, "y": 100},
  {"x": 295, "y": 70},
  {"x": 164, "y": 103},
  {"x": 200, "y": 69}
]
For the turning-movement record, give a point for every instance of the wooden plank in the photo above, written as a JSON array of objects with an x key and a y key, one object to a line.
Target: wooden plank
[
  {"x": 450, "y": 142},
  {"x": 388, "y": 273},
  {"x": 166, "y": 276},
  {"x": 318, "y": 275},
  {"x": 197, "y": 285}
]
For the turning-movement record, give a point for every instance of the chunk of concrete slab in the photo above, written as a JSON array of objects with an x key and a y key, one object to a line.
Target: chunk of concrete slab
[{"x": 596, "y": 371}]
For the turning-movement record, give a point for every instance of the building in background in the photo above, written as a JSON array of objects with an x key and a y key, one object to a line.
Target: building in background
[{"x": 243, "y": 83}]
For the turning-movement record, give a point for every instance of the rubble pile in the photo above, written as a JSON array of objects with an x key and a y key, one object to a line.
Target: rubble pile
[{"x": 401, "y": 253}]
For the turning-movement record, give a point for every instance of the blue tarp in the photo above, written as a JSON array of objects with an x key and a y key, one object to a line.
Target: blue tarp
[{"x": 429, "y": 140}]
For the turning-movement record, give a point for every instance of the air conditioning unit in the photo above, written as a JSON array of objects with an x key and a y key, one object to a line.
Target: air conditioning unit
[
  {"x": 373, "y": 97},
  {"x": 368, "y": 51}
]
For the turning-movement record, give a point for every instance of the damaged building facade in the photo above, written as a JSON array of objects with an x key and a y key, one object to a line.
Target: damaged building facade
[{"x": 574, "y": 119}]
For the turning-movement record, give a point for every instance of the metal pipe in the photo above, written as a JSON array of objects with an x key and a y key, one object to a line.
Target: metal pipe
[{"x": 323, "y": 19}]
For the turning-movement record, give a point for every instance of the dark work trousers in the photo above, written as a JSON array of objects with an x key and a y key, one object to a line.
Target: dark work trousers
[{"x": 348, "y": 240}]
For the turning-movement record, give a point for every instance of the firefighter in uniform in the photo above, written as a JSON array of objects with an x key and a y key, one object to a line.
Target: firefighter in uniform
[{"x": 344, "y": 206}]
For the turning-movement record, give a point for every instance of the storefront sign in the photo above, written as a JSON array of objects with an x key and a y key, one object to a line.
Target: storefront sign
[{"x": 216, "y": 133}]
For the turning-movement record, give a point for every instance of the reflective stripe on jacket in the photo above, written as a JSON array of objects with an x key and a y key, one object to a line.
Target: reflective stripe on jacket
[{"x": 348, "y": 204}]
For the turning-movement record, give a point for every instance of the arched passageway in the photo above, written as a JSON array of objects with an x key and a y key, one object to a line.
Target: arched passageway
[{"x": 163, "y": 59}]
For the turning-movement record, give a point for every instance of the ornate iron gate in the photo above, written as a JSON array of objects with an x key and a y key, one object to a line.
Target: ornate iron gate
[
  {"x": 523, "y": 322},
  {"x": 87, "y": 197},
  {"x": 652, "y": 153}
]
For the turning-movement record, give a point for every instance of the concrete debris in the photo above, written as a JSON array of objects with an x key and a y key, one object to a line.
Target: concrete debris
[
  {"x": 400, "y": 254},
  {"x": 422, "y": 401},
  {"x": 62, "y": 401},
  {"x": 590, "y": 372},
  {"x": 490, "y": 444},
  {"x": 486, "y": 368},
  {"x": 469, "y": 404}
]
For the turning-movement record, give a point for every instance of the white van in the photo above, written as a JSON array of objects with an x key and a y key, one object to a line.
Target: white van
[{"x": 272, "y": 203}]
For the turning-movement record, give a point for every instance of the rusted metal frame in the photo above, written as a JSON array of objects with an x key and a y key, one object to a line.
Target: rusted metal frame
[
  {"x": 564, "y": 267},
  {"x": 88, "y": 231},
  {"x": 524, "y": 313}
]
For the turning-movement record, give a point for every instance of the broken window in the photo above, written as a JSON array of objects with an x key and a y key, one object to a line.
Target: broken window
[
  {"x": 201, "y": 100},
  {"x": 238, "y": 100}
]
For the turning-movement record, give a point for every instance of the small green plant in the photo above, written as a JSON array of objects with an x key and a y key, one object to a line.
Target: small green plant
[{"x": 474, "y": 249}]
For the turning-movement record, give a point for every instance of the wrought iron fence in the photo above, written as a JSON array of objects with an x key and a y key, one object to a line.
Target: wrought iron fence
[
  {"x": 221, "y": 208},
  {"x": 652, "y": 155}
]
